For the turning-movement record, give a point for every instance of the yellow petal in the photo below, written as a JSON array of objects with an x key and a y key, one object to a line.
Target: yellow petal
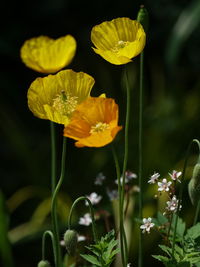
[
  {"x": 43, "y": 92},
  {"x": 119, "y": 40},
  {"x": 112, "y": 57},
  {"x": 47, "y": 55}
]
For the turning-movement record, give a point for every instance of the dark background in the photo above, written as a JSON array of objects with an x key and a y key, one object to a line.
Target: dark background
[{"x": 171, "y": 107}]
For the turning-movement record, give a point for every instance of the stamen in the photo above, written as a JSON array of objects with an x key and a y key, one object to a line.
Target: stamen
[
  {"x": 121, "y": 44},
  {"x": 64, "y": 103},
  {"x": 99, "y": 127}
]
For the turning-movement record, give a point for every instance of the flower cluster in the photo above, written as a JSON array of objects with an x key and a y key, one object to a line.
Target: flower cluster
[{"x": 168, "y": 187}]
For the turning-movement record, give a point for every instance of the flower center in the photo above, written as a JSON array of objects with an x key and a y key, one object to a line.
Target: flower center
[
  {"x": 121, "y": 44},
  {"x": 64, "y": 103},
  {"x": 99, "y": 127}
]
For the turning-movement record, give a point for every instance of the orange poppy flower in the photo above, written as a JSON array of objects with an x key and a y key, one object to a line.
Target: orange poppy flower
[{"x": 94, "y": 123}]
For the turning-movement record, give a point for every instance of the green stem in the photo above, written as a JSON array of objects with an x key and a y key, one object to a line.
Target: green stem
[
  {"x": 118, "y": 172},
  {"x": 140, "y": 162},
  {"x": 44, "y": 242},
  {"x": 170, "y": 225},
  {"x": 54, "y": 205},
  {"x": 91, "y": 212},
  {"x": 53, "y": 156},
  {"x": 128, "y": 104},
  {"x": 197, "y": 213},
  {"x": 181, "y": 191}
]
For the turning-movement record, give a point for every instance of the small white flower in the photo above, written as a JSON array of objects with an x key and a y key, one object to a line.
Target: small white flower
[
  {"x": 85, "y": 220},
  {"x": 129, "y": 265},
  {"x": 99, "y": 179},
  {"x": 164, "y": 185},
  {"x": 128, "y": 177},
  {"x": 62, "y": 243},
  {"x": 154, "y": 178},
  {"x": 94, "y": 198},
  {"x": 172, "y": 205},
  {"x": 81, "y": 238},
  {"x": 112, "y": 194},
  {"x": 147, "y": 225},
  {"x": 174, "y": 175}
]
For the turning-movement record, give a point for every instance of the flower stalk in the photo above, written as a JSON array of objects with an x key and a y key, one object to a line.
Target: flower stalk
[
  {"x": 54, "y": 205},
  {"x": 140, "y": 146},
  {"x": 91, "y": 212},
  {"x": 53, "y": 156},
  {"x": 45, "y": 234}
]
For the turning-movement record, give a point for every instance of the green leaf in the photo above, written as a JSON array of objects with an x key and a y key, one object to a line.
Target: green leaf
[
  {"x": 5, "y": 247},
  {"x": 187, "y": 22},
  {"x": 161, "y": 258},
  {"x": 161, "y": 218},
  {"x": 193, "y": 232},
  {"x": 166, "y": 249},
  {"x": 180, "y": 226},
  {"x": 91, "y": 259},
  {"x": 184, "y": 264}
]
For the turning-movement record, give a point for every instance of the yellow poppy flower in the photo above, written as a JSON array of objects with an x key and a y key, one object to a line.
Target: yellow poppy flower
[
  {"x": 55, "y": 97},
  {"x": 118, "y": 40},
  {"x": 46, "y": 55},
  {"x": 94, "y": 123}
]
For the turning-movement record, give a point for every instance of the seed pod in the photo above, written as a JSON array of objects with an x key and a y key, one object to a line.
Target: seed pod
[
  {"x": 143, "y": 18},
  {"x": 71, "y": 240},
  {"x": 43, "y": 263},
  {"x": 194, "y": 185}
]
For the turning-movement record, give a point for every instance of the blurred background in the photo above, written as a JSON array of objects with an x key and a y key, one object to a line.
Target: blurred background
[{"x": 171, "y": 115}]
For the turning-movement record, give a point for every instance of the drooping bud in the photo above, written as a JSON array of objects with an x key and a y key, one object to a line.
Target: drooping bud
[
  {"x": 194, "y": 185},
  {"x": 143, "y": 17},
  {"x": 43, "y": 263},
  {"x": 71, "y": 240}
]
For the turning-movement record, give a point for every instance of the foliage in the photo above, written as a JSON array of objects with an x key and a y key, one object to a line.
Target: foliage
[
  {"x": 104, "y": 251},
  {"x": 186, "y": 249}
]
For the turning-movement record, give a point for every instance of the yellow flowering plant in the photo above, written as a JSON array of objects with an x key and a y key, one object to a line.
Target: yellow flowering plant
[
  {"x": 55, "y": 97},
  {"x": 118, "y": 40},
  {"x": 94, "y": 123},
  {"x": 47, "y": 55}
]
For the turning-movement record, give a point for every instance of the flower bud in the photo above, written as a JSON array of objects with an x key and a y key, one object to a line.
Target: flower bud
[
  {"x": 143, "y": 18},
  {"x": 43, "y": 263},
  {"x": 194, "y": 185},
  {"x": 71, "y": 240}
]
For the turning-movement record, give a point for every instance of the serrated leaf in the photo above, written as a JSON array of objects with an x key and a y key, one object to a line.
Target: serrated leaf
[
  {"x": 161, "y": 258},
  {"x": 166, "y": 249},
  {"x": 91, "y": 259},
  {"x": 184, "y": 264},
  {"x": 193, "y": 232}
]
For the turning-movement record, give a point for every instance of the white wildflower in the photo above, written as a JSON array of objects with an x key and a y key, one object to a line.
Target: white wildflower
[
  {"x": 154, "y": 178},
  {"x": 172, "y": 205},
  {"x": 128, "y": 177},
  {"x": 175, "y": 175},
  {"x": 112, "y": 194},
  {"x": 85, "y": 220},
  {"x": 164, "y": 185},
  {"x": 147, "y": 225},
  {"x": 81, "y": 238},
  {"x": 94, "y": 198},
  {"x": 99, "y": 179}
]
